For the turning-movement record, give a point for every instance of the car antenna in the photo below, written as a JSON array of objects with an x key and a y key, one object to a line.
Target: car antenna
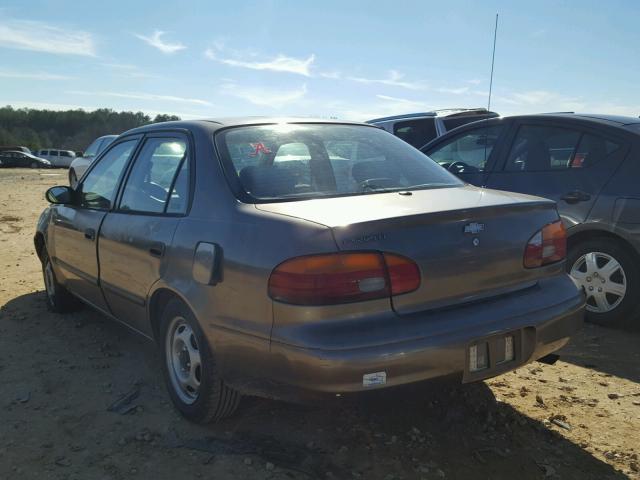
[{"x": 493, "y": 59}]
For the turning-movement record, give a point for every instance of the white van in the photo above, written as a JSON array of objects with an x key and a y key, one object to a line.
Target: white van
[{"x": 58, "y": 158}]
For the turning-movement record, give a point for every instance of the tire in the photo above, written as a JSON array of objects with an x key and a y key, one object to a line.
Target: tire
[
  {"x": 59, "y": 300},
  {"x": 197, "y": 391},
  {"x": 610, "y": 276},
  {"x": 73, "y": 178}
]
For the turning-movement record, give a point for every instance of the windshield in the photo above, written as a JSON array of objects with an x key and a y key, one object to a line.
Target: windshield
[{"x": 296, "y": 161}]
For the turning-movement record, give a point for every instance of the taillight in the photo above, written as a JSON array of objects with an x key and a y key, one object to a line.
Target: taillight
[
  {"x": 342, "y": 278},
  {"x": 548, "y": 245}
]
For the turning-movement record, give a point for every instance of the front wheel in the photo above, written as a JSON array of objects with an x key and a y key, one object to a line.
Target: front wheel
[
  {"x": 190, "y": 369},
  {"x": 59, "y": 300},
  {"x": 73, "y": 178},
  {"x": 610, "y": 278}
]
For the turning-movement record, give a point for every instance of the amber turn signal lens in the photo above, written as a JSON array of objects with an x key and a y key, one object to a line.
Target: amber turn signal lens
[{"x": 548, "y": 245}]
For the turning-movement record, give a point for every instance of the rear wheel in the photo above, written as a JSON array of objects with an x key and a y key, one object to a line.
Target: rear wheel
[
  {"x": 59, "y": 300},
  {"x": 610, "y": 278},
  {"x": 190, "y": 369}
]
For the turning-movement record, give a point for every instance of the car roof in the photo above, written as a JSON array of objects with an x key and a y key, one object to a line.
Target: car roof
[
  {"x": 444, "y": 112},
  {"x": 612, "y": 120},
  {"x": 226, "y": 122}
]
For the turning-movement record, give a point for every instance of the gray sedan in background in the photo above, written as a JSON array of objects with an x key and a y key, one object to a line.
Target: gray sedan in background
[{"x": 302, "y": 259}]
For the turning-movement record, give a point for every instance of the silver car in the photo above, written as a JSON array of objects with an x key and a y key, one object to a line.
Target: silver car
[
  {"x": 305, "y": 259},
  {"x": 80, "y": 164}
]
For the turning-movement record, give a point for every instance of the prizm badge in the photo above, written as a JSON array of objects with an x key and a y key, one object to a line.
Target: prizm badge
[{"x": 474, "y": 228}]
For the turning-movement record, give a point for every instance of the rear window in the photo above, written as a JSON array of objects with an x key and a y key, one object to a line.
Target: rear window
[{"x": 298, "y": 161}]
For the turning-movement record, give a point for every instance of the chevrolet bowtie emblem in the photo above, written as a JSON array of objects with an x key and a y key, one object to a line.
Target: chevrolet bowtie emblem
[{"x": 474, "y": 228}]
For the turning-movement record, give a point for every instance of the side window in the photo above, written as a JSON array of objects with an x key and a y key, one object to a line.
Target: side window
[
  {"x": 44, "y": 152},
  {"x": 470, "y": 149},
  {"x": 149, "y": 186},
  {"x": 99, "y": 187},
  {"x": 416, "y": 132},
  {"x": 591, "y": 150},
  {"x": 53, "y": 153},
  {"x": 540, "y": 148}
]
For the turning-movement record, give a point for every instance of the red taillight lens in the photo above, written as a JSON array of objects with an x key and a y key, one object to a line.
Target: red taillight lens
[
  {"x": 342, "y": 278},
  {"x": 548, "y": 245}
]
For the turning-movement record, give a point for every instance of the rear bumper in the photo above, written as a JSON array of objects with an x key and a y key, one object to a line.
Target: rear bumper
[{"x": 542, "y": 318}]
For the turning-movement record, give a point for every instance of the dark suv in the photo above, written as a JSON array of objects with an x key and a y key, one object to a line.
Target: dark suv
[
  {"x": 588, "y": 164},
  {"x": 419, "y": 128}
]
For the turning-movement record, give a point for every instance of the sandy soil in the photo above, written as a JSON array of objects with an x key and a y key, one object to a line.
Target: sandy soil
[{"x": 579, "y": 418}]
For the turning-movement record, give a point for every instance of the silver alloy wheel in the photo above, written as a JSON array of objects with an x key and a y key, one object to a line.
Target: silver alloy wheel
[
  {"x": 603, "y": 279},
  {"x": 183, "y": 360},
  {"x": 49, "y": 281}
]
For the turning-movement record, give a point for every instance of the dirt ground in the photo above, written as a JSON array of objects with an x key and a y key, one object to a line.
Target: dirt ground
[{"x": 59, "y": 374}]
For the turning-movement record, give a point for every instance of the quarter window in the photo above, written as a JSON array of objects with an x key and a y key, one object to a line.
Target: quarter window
[
  {"x": 469, "y": 150},
  {"x": 416, "y": 132},
  {"x": 150, "y": 185},
  {"x": 99, "y": 187}
]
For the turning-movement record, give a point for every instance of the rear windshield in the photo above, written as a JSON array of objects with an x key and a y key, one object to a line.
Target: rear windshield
[{"x": 297, "y": 161}]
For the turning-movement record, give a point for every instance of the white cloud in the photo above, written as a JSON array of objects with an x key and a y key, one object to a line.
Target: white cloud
[
  {"x": 144, "y": 96},
  {"x": 474, "y": 81},
  {"x": 156, "y": 42},
  {"x": 42, "y": 37},
  {"x": 281, "y": 63},
  {"x": 265, "y": 97},
  {"x": 33, "y": 76},
  {"x": 334, "y": 75},
  {"x": 454, "y": 91},
  {"x": 394, "y": 79}
]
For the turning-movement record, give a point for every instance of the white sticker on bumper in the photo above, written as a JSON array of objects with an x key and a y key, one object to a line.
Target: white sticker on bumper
[{"x": 376, "y": 378}]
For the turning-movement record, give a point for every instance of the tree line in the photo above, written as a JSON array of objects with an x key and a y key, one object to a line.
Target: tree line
[{"x": 66, "y": 130}]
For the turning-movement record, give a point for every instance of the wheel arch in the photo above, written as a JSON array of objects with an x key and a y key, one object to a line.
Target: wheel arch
[
  {"x": 40, "y": 244},
  {"x": 157, "y": 301},
  {"x": 589, "y": 234}
]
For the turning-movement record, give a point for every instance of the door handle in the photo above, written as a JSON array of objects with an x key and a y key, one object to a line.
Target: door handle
[
  {"x": 90, "y": 234},
  {"x": 575, "y": 197},
  {"x": 157, "y": 249}
]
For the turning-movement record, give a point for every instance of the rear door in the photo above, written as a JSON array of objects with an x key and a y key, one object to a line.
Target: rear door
[
  {"x": 75, "y": 227},
  {"x": 135, "y": 238},
  {"x": 563, "y": 162}
]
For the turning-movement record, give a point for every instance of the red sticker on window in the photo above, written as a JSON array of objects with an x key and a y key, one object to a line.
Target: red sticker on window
[{"x": 259, "y": 148}]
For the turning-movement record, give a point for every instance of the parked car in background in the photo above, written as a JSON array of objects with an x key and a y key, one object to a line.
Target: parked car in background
[
  {"x": 11, "y": 148},
  {"x": 58, "y": 158},
  {"x": 305, "y": 258},
  {"x": 418, "y": 129},
  {"x": 22, "y": 159},
  {"x": 590, "y": 166},
  {"x": 80, "y": 165}
]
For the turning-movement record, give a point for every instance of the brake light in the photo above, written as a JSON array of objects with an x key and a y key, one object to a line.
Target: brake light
[
  {"x": 342, "y": 278},
  {"x": 548, "y": 245}
]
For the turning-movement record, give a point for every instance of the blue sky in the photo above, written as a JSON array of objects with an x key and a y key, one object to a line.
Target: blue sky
[{"x": 346, "y": 59}]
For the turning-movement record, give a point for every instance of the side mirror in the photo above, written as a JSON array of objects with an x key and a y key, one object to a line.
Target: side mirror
[{"x": 59, "y": 195}]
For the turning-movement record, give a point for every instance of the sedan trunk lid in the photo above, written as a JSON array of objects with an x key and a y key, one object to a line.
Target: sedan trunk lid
[{"x": 468, "y": 242}]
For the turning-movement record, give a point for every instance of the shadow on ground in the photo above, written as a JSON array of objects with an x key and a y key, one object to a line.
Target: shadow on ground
[
  {"x": 79, "y": 364},
  {"x": 607, "y": 350}
]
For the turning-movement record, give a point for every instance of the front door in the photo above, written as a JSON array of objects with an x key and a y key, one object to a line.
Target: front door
[
  {"x": 469, "y": 155},
  {"x": 136, "y": 237},
  {"x": 75, "y": 227},
  {"x": 563, "y": 163}
]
